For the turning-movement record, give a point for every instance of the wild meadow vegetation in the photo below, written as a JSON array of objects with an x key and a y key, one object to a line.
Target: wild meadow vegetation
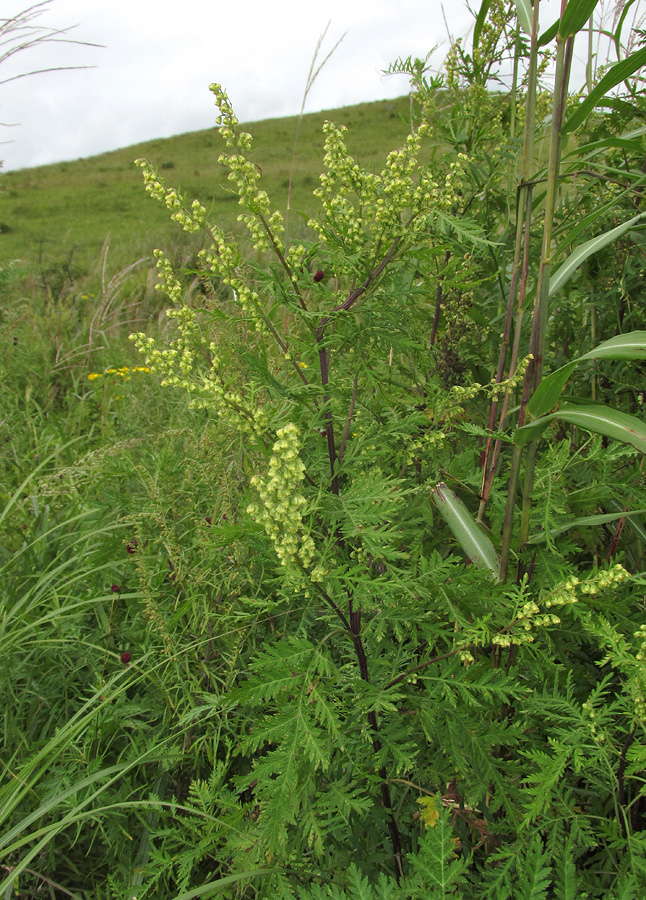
[{"x": 330, "y": 581}]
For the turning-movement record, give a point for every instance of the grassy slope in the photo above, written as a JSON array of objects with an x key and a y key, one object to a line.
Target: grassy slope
[{"x": 53, "y": 214}]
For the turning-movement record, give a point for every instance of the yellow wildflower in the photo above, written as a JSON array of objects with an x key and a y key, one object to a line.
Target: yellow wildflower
[{"x": 429, "y": 813}]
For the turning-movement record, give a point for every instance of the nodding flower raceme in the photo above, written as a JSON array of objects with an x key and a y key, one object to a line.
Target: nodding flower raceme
[
  {"x": 191, "y": 218},
  {"x": 265, "y": 227},
  {"x": 282, "y": 505}
]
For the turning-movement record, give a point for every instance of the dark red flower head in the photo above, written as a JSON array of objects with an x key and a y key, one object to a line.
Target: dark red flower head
[
  {"x": 319, "y": 275},
  {"x": 115, "y": 589},
  {"x": 132, "y": 545},
  {"x": 125, "y": 657}
]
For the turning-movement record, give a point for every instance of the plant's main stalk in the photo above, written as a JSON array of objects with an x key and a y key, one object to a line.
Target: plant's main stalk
[{"x": 534, "y": 372}]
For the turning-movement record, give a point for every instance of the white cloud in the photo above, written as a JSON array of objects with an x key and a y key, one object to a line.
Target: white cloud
[{"x": 159, "y": 56}]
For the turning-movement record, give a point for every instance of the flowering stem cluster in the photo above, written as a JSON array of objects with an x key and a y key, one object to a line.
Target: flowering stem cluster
[
  {"x": 531, "y": 615},
  {"x": 372, "y": 211},
  {"x": 178, "y": 364}
]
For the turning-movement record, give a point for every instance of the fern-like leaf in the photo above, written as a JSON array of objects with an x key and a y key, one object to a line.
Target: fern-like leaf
[
  {"x": 437, "y": 871},
  {"x": 534, "y": 872}
]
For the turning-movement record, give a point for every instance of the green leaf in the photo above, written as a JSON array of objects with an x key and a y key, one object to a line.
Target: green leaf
[
  {"x": 585, "y": 522},
  {"x": 614, "y": 76},
  {"x": 524, "y": 11},
  {"x": 566, "y": 881},
  {"x": 214, "y": 887},
  {"x": 549, "y": 35},
  {"x": 544, "y": 779},
  {"x": 548, "y": 391},
  {"x": 466, "y": 229},
  {"x": 597, "y": 418},
  {"x": 620, "y": 25},
  {"x": 623, "y": 106},
  {"x": 626, "y": 889},
  {"x": 535, "y": 872},
  {"x": 576, "y": 14},
  {"x": 623, "y": 346},
  {"x": 578, "y": 256},
  {"x": 468, "y": 533},
  {"x": 437, "y": 870},
  {"x": 359, "y": 888},
  {"x": 480, "y": 20}
]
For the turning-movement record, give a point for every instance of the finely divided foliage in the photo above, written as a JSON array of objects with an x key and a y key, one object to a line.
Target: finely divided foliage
[{"x": 390, "y": 576}]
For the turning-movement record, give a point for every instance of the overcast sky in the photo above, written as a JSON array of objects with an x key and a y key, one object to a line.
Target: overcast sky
[{"x": 158, "y": 57}]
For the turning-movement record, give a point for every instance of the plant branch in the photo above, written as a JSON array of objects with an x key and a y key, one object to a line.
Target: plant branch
[
  {"x": 424, "y": 665},
  {"x": 348, "y": 423},
  {"x": 283, "y": 261}
]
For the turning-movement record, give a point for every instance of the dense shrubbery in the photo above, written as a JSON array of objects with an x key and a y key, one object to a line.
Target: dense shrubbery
[{"x": 363, "y": 618}]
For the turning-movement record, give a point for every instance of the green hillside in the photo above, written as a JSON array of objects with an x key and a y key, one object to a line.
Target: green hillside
[{"x": 64, "y": 212}]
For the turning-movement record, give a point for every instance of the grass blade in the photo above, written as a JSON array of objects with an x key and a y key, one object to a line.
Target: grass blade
[{"x": 12, "y": 500}]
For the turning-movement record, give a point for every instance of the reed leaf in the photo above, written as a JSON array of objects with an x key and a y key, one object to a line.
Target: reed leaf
[
  {"x": 576, "y": 14},
  {"x": 596, "y": 418},
  {"x": 524, "y": 11},
  {"x": 549, "y": 34},
  {"x": 585, "y": 522},
  {"x": 578, "y": 256},
  {"x": 622, "y": 106},
  {"x": 614, "y": 76},
  {"x": 620, "y": 25},
  {"x": 480, "y": 20},
  {"x": 623, "y": 346},
  {"x": 467, "y": 532}
]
